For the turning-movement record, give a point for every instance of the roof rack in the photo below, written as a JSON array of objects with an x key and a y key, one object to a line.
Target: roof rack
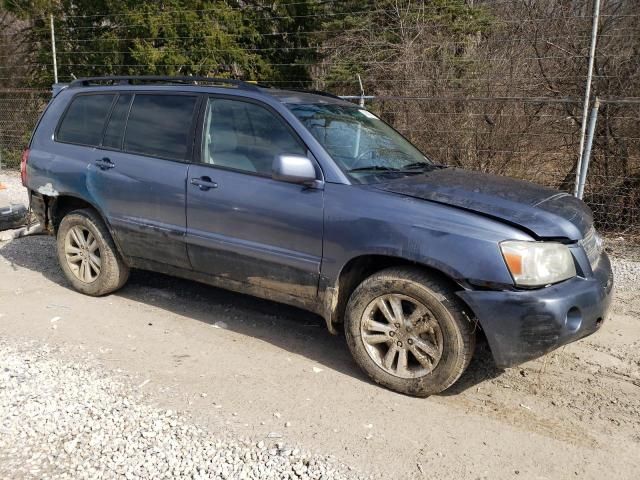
[{"x": 181, "y": 80}]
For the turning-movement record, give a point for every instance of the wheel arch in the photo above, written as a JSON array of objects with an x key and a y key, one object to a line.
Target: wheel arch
[
  {"x": 358, "y": 268},
  {"x": 59, "y": 206}
]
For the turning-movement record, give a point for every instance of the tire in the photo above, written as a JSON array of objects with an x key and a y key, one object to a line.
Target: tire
[
  {"x": 438, "y": 324},
  {"x": 108, "y": 272}
]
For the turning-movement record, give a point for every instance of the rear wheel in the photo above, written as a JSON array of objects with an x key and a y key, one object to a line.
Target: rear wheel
[
  {"x": 409, "y": 332},
  {"x": 87, "y": 254}
]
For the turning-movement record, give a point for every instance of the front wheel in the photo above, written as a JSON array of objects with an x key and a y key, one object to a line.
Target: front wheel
[
  {"x": 409, "y": 332},
  {"x": 88, "y": 255}
]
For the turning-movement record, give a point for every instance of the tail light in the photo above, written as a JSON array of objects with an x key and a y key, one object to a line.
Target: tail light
[{"x": 23, "y": 166}]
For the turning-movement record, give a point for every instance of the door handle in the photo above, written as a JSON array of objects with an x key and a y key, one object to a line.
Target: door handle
[
  {"x": 104, "y": 163},
  {"x": 204, "y": 183}
]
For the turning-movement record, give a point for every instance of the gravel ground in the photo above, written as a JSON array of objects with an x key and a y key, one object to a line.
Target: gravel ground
[
  {"x": 625, "y": 256},
  {"x": 68, "y": 420},
  {"x": 626, "y": 274}
]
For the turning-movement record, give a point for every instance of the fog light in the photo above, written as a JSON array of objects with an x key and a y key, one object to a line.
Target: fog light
[{"x": 574, "y": 319}]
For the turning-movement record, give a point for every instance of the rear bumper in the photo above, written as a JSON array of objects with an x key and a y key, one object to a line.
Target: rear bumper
[{"x": 523, "y": 325}]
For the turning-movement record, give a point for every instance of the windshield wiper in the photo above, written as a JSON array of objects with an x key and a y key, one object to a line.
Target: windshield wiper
[
  {"x": 383, "y": 169},
  {"x": 375, "y": 168},
  {"x": 424, "y": 166}
]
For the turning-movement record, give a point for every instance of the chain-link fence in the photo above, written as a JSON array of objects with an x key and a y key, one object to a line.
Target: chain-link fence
[
  {"x": 613, "y": 180},
  {"x": 19, "y": 112}
]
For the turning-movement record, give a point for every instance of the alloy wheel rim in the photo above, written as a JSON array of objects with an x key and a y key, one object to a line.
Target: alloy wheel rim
[
  {"x": 401, "y": 335},
  {"x": 82, "y": 253}
]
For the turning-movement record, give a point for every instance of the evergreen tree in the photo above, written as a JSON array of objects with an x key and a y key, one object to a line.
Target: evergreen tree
[{"x": 251, "y": 40}]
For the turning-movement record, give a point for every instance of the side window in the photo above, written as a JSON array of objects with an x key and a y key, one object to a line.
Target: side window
[
  {"x": 83, "y": 122},
  {"x": 115, "y": 128},
  {"x": 159, "y": 125},
  {"x": 245, "y": 136}
]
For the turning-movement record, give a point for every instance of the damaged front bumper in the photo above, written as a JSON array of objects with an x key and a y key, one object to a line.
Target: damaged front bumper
[{"x": 526, "y": 324}]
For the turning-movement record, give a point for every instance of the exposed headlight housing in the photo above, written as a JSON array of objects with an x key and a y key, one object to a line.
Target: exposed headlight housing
[{"x": 536, "y": 264}]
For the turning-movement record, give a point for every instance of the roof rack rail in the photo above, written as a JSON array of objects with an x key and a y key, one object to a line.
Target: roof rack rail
[{"x": 130, "y": 80}]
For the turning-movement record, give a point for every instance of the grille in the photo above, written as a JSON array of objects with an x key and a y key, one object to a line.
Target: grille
[{"x": 592, "y": 244}]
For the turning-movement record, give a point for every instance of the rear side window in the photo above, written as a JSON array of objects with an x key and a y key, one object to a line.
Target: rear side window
[
  {"x": 115, "y": 128},
  {"x": 84, "y": 120},
  {"x": 160, "y": 125}
]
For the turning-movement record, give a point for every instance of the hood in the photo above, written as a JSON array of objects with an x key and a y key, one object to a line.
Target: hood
[{"x": 544, "y": 212}]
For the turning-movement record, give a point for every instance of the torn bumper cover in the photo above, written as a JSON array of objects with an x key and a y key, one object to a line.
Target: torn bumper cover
[
  {"x": 523, "y": 325},
  {"x": 12, "y": 216}
]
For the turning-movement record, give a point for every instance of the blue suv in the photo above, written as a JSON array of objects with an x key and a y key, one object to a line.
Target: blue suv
[{"x": 303, "y": 198}]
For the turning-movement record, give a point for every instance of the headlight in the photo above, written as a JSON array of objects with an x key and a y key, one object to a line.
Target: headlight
[{"x": 535, "y": 264}]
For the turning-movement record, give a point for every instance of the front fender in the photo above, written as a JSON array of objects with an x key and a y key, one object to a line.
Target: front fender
[{"x": 462, "y": 245}]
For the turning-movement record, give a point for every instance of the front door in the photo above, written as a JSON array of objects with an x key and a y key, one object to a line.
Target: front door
[{"x": 242, "y": 224}]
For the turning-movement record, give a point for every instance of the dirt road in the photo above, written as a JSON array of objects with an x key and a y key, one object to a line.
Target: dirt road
[{"x": 248, "y": 367}]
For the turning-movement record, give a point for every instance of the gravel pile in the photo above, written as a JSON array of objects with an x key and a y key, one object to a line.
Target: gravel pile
[{"x": 66, "y": 420}]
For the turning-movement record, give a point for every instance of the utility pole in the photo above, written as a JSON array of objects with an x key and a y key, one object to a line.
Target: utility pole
[{"x": 53, "y": 49}]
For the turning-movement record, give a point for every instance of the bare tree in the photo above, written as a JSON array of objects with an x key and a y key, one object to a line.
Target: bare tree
[{"x": 498, "y": 87}]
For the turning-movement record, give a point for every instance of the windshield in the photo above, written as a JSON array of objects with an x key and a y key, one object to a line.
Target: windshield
[{"x": 365, "y": 147}]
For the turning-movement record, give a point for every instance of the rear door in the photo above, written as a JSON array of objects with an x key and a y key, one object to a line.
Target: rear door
[
  {"x": 242, "y": 224},
  {"x": 138, "y": 174}
]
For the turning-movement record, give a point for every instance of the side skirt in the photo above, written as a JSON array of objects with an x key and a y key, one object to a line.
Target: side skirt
[{"x": 314, "y": 306}]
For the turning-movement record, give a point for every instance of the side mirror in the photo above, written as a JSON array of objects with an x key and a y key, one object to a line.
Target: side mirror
[{"x": 293, "y": 169}]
